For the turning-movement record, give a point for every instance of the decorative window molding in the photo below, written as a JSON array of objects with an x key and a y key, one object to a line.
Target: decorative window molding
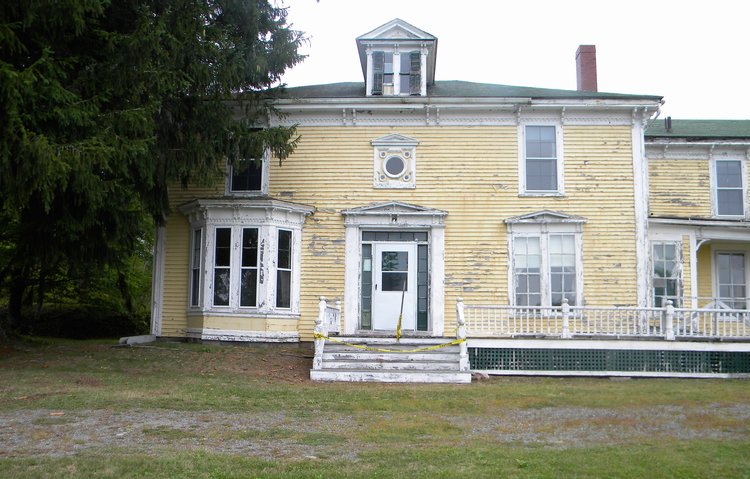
[
  {"x": 545, "y": 259},
  {"x": 394, "y": 162},
  {"x": 249, "y": 256},
  {"x": 540, "y": 158},
  {"x": 728, "y": 177},
  {"x": 248, "y": 178}
]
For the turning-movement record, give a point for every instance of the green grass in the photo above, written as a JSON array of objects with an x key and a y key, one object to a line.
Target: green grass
[{"x": 399, "y": 430}]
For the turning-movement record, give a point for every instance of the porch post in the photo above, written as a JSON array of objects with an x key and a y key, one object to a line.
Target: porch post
[
  {"x": 320, "y": 333},
  {"x": 565, "y": 319},
  {"x": 669, "y": 320},
  {"x": 463, "y": 363}
]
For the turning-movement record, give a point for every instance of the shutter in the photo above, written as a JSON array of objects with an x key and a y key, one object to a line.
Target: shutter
[
  {"x": 378, "y": 60},
  {"x": 415, "y": 75}
]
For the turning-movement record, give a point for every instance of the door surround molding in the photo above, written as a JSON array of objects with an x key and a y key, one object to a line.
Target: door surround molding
[{"x": 394, "y": 215}]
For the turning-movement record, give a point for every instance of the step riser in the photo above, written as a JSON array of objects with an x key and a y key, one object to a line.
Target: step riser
[
  {"x": 393, "y": 377},
  {"x": 329, "y": 356},
  {"x": 357, "y": 365}
]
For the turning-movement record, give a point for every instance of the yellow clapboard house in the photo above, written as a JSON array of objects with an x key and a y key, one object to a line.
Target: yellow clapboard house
[{"x": 407, "y": 196}]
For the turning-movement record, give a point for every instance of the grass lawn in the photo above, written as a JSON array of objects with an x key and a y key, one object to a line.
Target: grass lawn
[{"x": 89, "y": 409}]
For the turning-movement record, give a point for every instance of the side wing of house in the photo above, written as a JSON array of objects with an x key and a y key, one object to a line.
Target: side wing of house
[{"x": 698, "y": 213}]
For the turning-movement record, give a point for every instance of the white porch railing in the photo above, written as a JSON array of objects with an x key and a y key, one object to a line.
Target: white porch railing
[{"x": 621, "y": 322}]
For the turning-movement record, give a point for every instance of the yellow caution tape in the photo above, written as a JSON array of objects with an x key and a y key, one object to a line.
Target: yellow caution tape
[{"x": 382, "y": 350}]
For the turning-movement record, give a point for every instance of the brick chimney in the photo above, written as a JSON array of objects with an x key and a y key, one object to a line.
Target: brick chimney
[{"x": 586, "y": 68}]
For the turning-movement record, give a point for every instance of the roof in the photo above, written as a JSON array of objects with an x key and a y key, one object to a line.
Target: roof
[
  {"x": 700, "y": 129},
  {"x": 458, "y": 89}
]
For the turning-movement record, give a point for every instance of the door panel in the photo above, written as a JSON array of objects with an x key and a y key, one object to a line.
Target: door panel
[{"x": 394, "y": 278}]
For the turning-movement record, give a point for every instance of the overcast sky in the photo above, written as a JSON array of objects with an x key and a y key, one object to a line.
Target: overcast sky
[{"x": 694, "y": 54}]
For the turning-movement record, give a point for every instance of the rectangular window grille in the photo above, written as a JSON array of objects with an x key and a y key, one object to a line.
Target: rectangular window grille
[
  {"x": 401, "y": 236},
  {"x": 541, "y": 158},
  {"x": 284, "y": 270},
  {"x": 729, "y": 197},
  {"x": 562, "y": 263},
  {"x": 249, "y": 268},
  {"x": 366, "y": 314},
  {"x": 731, "y": 282},
  {"x": 195, "y": 269},
  {"x": 666, "y": 274},
  {"x": 422, "y": 288},
  {"x": 527, "y": 271},
  {"x": 222, "y": 262}
]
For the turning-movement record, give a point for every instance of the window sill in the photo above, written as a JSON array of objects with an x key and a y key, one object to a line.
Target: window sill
[
  {"x": 541, "y": 193},
  {"x": 246, "y": 194},
  {"x": 245, "y": 313}
]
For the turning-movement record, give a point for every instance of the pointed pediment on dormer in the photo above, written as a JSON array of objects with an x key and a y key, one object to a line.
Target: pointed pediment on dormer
[
  {"x": 394, "y": 140},
  {"x": 546, "y": 216},
  {"x": 396, "y": 29}
]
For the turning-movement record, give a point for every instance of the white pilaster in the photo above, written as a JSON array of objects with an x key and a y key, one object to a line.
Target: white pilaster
[
  {"x": 157, "y": 288},
  {"x": 351, "y": 279},
  {"x": 640, "y": 196},
  {"x": 437, "y": 282},
  {"x": 369, "y": 76}
]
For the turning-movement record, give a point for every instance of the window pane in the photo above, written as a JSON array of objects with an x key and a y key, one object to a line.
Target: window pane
[
  {"x": 394, "y": 281},
  {"x": 728, "y": 174},
  {"x": 283, "y": 289},
  {"x": 285, "y": 249},
  {"x": 223, "y": 246},
  {"x": 250, "y": 247},
  {"x": 395, "y": 261},
  {"x": 221, "y": 286},
  {"x": 541, "y": 175},
  {"x": 247, "y": 175},
  {"x": 730, "y": 202},
  {"x": 248, "y": 287}
]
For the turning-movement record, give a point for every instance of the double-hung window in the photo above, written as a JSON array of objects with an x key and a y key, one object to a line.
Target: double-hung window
[
  {"x": 545, "y": 261},
  {"x": 396, "y": 73},
  {"x": 731, "y": 280},
  {"x": 729, "y": 188},
  {"x": 248, "y": 177},
  {"x": 544, "y": 270},
  {"x": 666, "y": 273},
  {"x": 540, "y": 162}
]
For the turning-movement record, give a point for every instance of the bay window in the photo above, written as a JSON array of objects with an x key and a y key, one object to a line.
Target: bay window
[{"x": 250, "y": 251}]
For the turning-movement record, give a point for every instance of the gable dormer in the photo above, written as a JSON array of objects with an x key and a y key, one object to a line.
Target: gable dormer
[{"x": 398, "y": 59}]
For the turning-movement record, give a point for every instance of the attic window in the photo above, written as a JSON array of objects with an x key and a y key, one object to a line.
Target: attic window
[{"x": 396, "y": 73}]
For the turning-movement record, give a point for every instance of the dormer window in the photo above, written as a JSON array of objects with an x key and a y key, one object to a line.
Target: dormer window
[
  {"x": 398, "y": 59},
  {"x": 396, "y": 73}
]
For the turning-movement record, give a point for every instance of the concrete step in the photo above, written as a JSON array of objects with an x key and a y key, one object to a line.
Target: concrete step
[
  {"x": 357, "y": 355},
  {"x": 445, "y": 377},
  {"x": 393, "y": 365}
]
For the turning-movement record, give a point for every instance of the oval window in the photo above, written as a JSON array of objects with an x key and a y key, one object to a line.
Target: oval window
[{"x": 394, "y": 166}]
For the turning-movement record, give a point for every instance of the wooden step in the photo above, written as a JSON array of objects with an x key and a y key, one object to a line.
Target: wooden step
[{"x": 453, "y": 377}]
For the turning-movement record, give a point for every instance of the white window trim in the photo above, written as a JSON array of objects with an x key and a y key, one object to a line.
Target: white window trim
[
  {"x": 398, "y": 48},
  {"x": 268, "y": 216},
  {"x": 394, "y": 216},
  {"x": 522, "y": 124},
  {"x": 264, "y": 181},
  {"x": 199, "y": 266},
  {"x": 715, "y": 269},
  {"x": 714, "y": 191},
  {"x": 680, "y": 267},
  {"x": 543, "y": 231}
]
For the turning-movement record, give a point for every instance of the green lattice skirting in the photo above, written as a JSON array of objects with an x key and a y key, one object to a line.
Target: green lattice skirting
[{"x": 696, "y": 362}]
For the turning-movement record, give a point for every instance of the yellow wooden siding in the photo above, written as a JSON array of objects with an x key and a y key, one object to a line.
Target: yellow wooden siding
[
  {"x": 471, "y": 172},
  {"x": 176, "y": 276},
  {"x": 679, "y": 188},
  {"x": 705, "y": 277}
]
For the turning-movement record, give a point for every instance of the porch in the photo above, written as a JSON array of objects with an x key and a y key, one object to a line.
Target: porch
[{"x": 559, "y": 340}]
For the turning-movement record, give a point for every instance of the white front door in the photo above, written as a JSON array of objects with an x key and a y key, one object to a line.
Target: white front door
[{"x": 394, "y": 284}]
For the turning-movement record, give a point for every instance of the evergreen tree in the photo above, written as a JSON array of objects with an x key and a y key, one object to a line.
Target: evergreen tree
[{"x": 106, "y": 103}]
